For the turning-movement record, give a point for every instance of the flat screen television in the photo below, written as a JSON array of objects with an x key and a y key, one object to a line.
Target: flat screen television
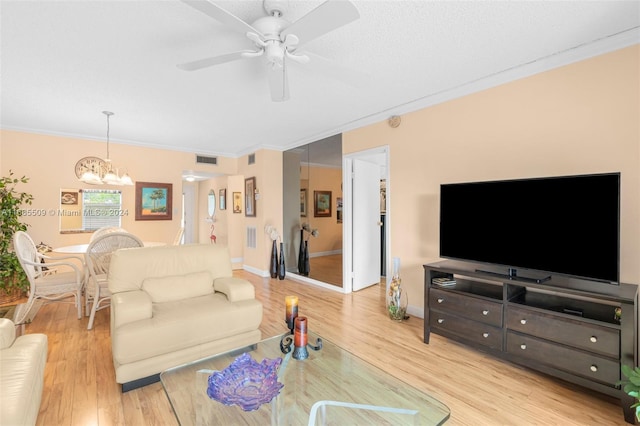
[{"x": 568, "y": 225}]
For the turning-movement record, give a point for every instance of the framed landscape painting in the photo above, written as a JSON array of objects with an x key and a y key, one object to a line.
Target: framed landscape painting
[
  {"x": 322, "y": 204},
  {"x": 153, "y": 201}
]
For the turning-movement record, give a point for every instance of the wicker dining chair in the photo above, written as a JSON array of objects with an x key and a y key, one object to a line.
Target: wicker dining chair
[
  {"x": 43, "y": 284},
  {"x": 105, "y": 230},
  {"x": 98, "y": 257}
]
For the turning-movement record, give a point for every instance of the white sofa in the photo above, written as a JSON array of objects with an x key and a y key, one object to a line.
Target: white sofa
[
  {"x": 175, "y": 304},
  {"x": 22, "y": 363}
]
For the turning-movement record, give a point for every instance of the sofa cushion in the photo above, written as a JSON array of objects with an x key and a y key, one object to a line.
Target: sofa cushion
[
  {"x": 176, "y": 287},
  {"x": 184, "y": 323},
  {"x": 130, "y": 267}
]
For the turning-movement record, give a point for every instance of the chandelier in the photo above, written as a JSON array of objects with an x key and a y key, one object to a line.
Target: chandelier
[{"x": 96, "y": 171}]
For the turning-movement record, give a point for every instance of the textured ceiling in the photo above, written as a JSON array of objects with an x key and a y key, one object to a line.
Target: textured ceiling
[{"x": 63, "y": 62}]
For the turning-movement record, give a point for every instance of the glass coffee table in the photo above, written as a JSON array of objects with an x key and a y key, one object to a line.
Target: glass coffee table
[{"x": 331, "y": 386}]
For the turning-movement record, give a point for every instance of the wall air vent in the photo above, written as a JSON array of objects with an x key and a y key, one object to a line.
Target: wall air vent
[
  {"x": 252, "y": 158},
  {"x": 202, "y": 159},
  {"x": 251, "y": 237}
]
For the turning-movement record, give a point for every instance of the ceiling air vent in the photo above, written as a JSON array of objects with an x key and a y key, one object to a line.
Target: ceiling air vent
[
  {"x": 201, "y": 159},
  {"x": 252, "y": 158}
]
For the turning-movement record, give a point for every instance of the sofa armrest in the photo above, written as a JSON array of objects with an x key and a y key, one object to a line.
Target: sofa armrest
[
  {"x": 236, "y": 289},
  {"x": 7, "y": 333},
  {"x": 130, "y": 306}
]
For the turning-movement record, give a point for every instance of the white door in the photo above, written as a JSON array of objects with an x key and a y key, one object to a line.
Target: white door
[
  {"x": 188, "y": 215},
  {"x": 366, "y": 224}
]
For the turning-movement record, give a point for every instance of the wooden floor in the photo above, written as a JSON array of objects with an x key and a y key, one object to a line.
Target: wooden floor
[
  {"x": 80, "y": 386},
  {"x": 327, "y": 269}
]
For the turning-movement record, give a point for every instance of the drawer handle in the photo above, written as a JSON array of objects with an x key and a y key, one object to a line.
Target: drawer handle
[
  {"x": 593, "y": 339},
  {"x": 594, "y": 368},
  {"x": 523, "y": 321},
  {"x": 523, "y": 346},
  {"x": 485, "y": 312},
  {"x": 440, "y": 300},
  {"x": 440, "y": 320},
  {"x": 485, "y": 335}
]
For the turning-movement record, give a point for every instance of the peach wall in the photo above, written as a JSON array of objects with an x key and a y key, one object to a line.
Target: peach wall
[
  {"x": 580, "y": 118},
  {"x": 49, "y": 163},
  {"x": 267, "y": 170}
]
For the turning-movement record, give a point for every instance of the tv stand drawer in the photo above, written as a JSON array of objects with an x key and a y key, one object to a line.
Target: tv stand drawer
[
  {"x": 470, "y": 307},
  {"x": 579, "y": 334},
  {"x": 576, "y": 362},
  {"x": 473, "y": 331}
]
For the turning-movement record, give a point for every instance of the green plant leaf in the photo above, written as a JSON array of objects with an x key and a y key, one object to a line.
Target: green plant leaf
[{"x": 11, "y": 201}]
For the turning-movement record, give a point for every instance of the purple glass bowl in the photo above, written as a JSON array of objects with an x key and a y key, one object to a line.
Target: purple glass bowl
[{"x": 246, "y": 383}]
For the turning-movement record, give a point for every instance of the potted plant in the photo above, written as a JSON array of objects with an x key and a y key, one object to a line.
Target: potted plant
[
  {"x": 632, "y": 385},
  {"x": 13, "y": 281}
]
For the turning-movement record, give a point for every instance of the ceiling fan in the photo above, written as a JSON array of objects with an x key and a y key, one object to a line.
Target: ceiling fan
[{"x": 278, "y": 40}]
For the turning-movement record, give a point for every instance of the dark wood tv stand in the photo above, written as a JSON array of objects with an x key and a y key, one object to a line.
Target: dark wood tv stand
[{"x": 563, "y": 327}]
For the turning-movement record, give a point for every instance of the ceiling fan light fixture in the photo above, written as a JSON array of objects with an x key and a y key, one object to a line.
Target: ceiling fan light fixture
[
  {"x": 275, "y": 53},
  {"x": 277, "y": 38}
]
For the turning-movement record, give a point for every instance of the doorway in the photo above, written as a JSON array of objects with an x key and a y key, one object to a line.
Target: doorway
[
  {"x": 188, "y": 218},
  {"x": 364, "y": 270}
]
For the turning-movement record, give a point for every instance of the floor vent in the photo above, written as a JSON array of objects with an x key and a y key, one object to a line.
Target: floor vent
[
  {"x": 251, "y": 237},
  {"x": 201, "y": 159}
]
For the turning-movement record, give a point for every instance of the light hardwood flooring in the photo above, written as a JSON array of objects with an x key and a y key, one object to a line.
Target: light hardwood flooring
[
  {"x": 327, "y": 269},
  {"x": 80, "y": 386}
]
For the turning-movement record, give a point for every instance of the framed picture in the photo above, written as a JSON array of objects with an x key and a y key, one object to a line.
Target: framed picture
[
  {"x": 223, "y": 199},
  {"x": 339, "y": 209},
  {"x": 153, "y": 201},
  {"x": 237, "y": 202},
  {"x": 322, "y": 203},
  {"x": 68, "y": 198},
  {"x": 250, "y": 197},
  {"x": 303, "y": 202}
]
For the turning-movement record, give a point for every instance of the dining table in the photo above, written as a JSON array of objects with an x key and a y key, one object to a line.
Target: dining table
[{"x": 82, "y": 248}]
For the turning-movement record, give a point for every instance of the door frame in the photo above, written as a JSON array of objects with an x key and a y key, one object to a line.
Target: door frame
[{"x": 347, "y": 222}]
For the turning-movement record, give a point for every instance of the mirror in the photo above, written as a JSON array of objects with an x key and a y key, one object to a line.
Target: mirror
[
  {"x": 85, "y": 210},
  {"x": 312, "y": 192},
  {"x": 211, "y": 204}
]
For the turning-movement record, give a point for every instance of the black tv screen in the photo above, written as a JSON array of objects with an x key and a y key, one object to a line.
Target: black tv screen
[{"x": 567, "y": 225}]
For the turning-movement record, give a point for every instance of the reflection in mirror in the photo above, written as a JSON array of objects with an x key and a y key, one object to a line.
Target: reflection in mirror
[
  {"x": 85, "y": 210},
  {"x": 307, "y": 170},
  {"x": 211, "y": 204}
]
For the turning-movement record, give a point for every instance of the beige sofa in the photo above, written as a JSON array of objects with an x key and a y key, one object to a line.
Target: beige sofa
[
  {"x": 175, "y": 304},
  {"x": 22, "y": 363}
]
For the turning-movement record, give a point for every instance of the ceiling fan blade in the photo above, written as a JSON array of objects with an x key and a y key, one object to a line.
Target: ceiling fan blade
[
  {"x": 329, "y": 68},
  {"x": 216, "y": 60},
  {"x": 216, "y": 12},
  {"x": 327, "y": 17},
  {"x": 278, "y": 83}
]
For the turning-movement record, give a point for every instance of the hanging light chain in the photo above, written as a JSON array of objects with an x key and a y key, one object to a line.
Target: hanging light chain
[{"x": 108, "y": 114}]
